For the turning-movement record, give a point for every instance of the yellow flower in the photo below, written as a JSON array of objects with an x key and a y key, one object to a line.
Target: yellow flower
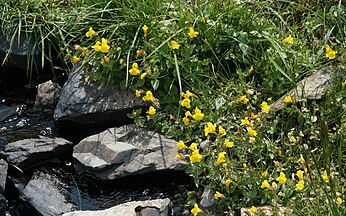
[
  {"x": 138, "y": 93},
  {"x": 301, "y": 162},
  {"x": 289, "y": 40},
  {"x": 188, "y": 94},
  {"x": 246, "y": 121},
  {"x": 253, "y": 210},
  {"x": 188, "y": 114},
  {"x": 145, "y": 30},
  {"x": 175, "y": 45},
  {"x": 218, "y": 195},
  {"x": 252, "y": 140},
  {"x": 151, "y": 111},
  {"x": 86, "y": 79},
  {"x": 148, "y": 96},
  {"x": 198, "y": 115},
  {"x": 330, "y": 53},
  {"x": 344, "y": 83},
  {"x": 269, "y": 99},
  {"x": 193, "y": 146},
  {"x": 134, "y": 70},
  {"x": 301, "y": 134},
  {"x": 75, "y": 59},
  {"x": 210, "y": 129},
  {"x": 265, "y": 107},
  {"x": 221, "y": 158},
  {"x": 195, "y": 157},
  {"x": 244, "y": 99},
  {"x": 325, "y": 176},
  {"x": 181, "y": 145},
  {"x": 251, "y": 132},
  {"x": 227, "y": 183},
  {"x": 265, "y": 184},
  {"x": 274, "y": 186},
  {"x": 300, "y": 185},
  {"x": 228, "y": 143},
  {"x": 121, "y": 61},
  {"x": 339, "y": 201},
  {"x": 196, "y": 210},
  {"x": 172, "y": 117},
  {"x": 288, "y": 99},
  {"x": 265, "y": 173},
  {"x": 222, "y": 131},
  {"x": 97, "y": 46},
  {"x": 143, "y": 75},
  {"x": 178, "y": 156},
  {"x": 104, "y": 46},
  {"x": 90, "y": 33},
  {"x": 253, "y": 116},
  {"x": 186, "y": 120},
  {"x": 193, "y": 33},
  {"x": 186, "y": 103},
  {"x": 105, "y": 59},
  {"x": 300, "y": 174},
  {"x": 282, "y": 178},
  {"x": 292, "y": 139}
]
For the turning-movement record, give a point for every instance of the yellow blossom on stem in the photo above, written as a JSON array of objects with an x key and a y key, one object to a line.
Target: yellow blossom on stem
[
  {"x": 198, "y": 115},
  {"x": 251, "y": 132},
  {"x": 101, "y": 46},
  {"x": 97, "y": 46},
  {"x": 339, "y": 201},
  {"x": 288, "y": 99},
  {"x": 193, "y": 146},
  {"x": 139, "y": 53},
  {"x": 253, "y": 116},
  {"x": 188, "y": 94},
  {"x": 186, "y": 120},
  {"x": 244, "y": 165},
  {"x": 121, "y": 61},
  {"x": 244, "y": 99},
  {"x": 145, "y": 30},
  {"x": 265, "y": 184},
  {"x": 195, "y": 156},
  {"x": 252, "y": 140},
  {"x": 222, "y": 131},
  {"x": 86, "y": 79},
  {"x": 227, "y": 183},
  {"x": 151, "y": 111},
  {"x": 175, "y": 45},
  {"x": 330, "y": 53},
  {"x": 148, "y": 96},
  {"x": 264, "y": 174},
  {"x": 211, "y": 128},
  {"x": 134, "y": 70},
  {"x": 75, "y": 59},
  {"x": 188, "y": 114},
  {"x": 181, "y": 145},
  {"x": 269, "y": 99},
  {"x": 301, "y": 134},
  {"x": 221, "y": 158},
  {"x": 193, "y": 33},
  {"x": 186, "y": 103},
  {"x": 90, "y": 33},
  {"x": 325, "y": 176},
  {"x": 143, "y": 75},
  {"x": 246, "y": 121},
  {"x": 138, "y": 93},
  {"x": 282, "y": 178},
  {"x": 289, "y": 40},
  {"x": 251, "y": 70},
  {"x": 228, "y": 143},
  {"x": 300, "y": 174},
  {"x": 300, "y": 185},
  {"x": 292, "y": 139},
  {"x": 265, "y": 107},
  {"x": 218, "y": 195},
  {"x": 178, "y": 156},
  {"x": 253, "y": 210},
  {"x": 195, "y": 211}
]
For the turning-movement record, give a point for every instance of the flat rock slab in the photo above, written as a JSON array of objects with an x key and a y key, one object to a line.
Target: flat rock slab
[
  {"x": 158, "y": 207},
  {"x": 3, "y": 175},
  {"x": 124, "y": 151},
  {"x": 46, "y": 194},
  {"x": 27, "y": 152}
]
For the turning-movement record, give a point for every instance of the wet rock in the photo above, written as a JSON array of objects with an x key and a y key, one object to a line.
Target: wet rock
[
  {"x": 3, "y": 175},
  {"x": 46, "y": 193},
  {"x": 125, "y": 151},
  {"x": 86, "y": 107},
  {"x": 27, "y": 152},
  {"x": 311, "y": 87},
  {"x": 208, "y": 201},
  {"x": 158, "y": 207},
  {"x": 47, "y": 95},
  {"x": 2, "y": 205},
  {"x": 8, "y": 111}
]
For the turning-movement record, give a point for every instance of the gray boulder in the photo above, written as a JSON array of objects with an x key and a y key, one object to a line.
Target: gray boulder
[
  {"x": 158, "y": 207},
  {"x": 125, "y": 151},
  {"x": 84, "y": 108},
  {"x": 47, "y": 95},
  {"x": 3, "y": 175},
  {"x": 27, "y": 152}
]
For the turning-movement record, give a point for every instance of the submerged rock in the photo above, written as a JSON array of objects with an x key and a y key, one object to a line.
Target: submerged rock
[
  {"x": 158, "y": 207},
  {"x": 47, "y": 95},
  {"x": 84, "y": 107},
  {"x": 125, "y": 151}
]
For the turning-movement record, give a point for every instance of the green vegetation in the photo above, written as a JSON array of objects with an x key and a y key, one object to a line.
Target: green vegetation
[{"x": 210, "y": 71}]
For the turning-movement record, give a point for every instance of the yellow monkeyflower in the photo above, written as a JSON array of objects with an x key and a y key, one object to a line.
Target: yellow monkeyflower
[
  {"x": 193, "y": 146},
  {"x": 175, "y": 45},
  {"x": 186, "y": 103},
  {"x": 218, "y": 195},
  {"x": 265, "y": 184},
  {"x": 90, "y": 33},
  {"x": 195, "y": 156},
  {"x": 301, "y": 134},
  {"x": 104, "y": 46},
  {"x": 325, "y": 176},
  {"x": 145, "y": 30},
  {"x": 251, "y": 132},
  {"x": 300, "y": 174},
  {"x": 221, "y": 158},
  {"x": 121, "y": 61},
  {"x": 198, "y": 115},
  {"x": 86, "y": 79},
  {"x": 288, "y": 99},
  {"x": 246, "y": 121},
  {"x": 227, "y": 183},
  {"x": 339, "y": 201},
  {"x": 292, "y": 139},
  {"x": 289, "y": 40},
  {"x": 195, "y": 211},
  {"x": 228, "y": 143},
  {"x": 251, "y": 70},
  {"x": 186, "y": 120},
  {"x": 138, "y": 93},
  {"x": 178, "y": 156},
  {"x": 300, "y": 185},
  {"x": 253, "y": 210},
  {"x": 151, "y": 111},
  {"x": 330, "y": 53},
  {"x": 188, "y": 94},
  {"x": 75, "y": 59},
  {"x": 97, "y": 46},
  {"x": 244, "y": 99},
  {"x": 252, "y": 140},
  {"x": 148, "y": 96},
  {"x": 139, "y": 53},
  {"x": 211, "y": 128},
  {"x": 265, "y": 107},
  {"x": 193, "y": 33},
  {"x": 188, "y": 114},
  {"x": 264, "y": 174},
  {"x": 253, "y": 116},
  {"x": 181, "y": 145},
  {"x": 134, "y": 70},
  {"x": 282, "y": 178},
  {"x": 222, "y": 131},
  {"x": 143, "y": 75}
]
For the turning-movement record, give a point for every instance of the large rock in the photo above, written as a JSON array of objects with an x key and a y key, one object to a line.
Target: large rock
[
  {"x": 159, "y": 207},
  {"x": 124, "y": 151},
  {"x": 84, "y": 108},
  {"x": 27, "y": 152},
  {"x": 47, "y": 195},
  {"x": 3, "y": 175},
  {"x": 47, "y": 95}
]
